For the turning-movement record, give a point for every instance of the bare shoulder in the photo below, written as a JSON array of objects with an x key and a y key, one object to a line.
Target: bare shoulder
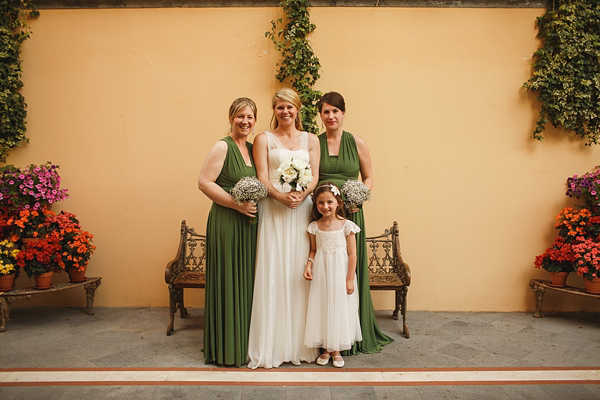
[
  {"x": 219, "y": 148},
  {"x": 313, "y": 139},
  {"x": 261, "y": 138},
  {"x": 360, "y": 142},
  {"x": 215, "y": 157}
]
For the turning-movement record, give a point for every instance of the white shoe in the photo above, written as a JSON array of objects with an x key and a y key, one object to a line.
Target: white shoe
[
  {"x": 323, "y": 359},
  {"x": 338, "y": 361}
]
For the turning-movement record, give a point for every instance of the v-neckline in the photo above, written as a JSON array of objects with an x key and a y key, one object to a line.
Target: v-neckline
[
  {"x": 327, "y": 146},
  {"x": 240, "y": 153}
]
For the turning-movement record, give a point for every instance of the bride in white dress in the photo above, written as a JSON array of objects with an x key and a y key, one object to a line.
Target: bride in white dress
[{"x": 280, "y": 300}]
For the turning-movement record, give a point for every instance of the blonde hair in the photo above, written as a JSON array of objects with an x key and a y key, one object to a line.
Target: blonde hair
[
  {"x": 239, "y": 104},
  {"x": 290, "y": 96}
]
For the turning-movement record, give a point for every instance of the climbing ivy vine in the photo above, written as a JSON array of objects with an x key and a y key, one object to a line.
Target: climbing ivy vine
[
  {"x": 299, "y": 62},
  {"x": 566, "y": 73},
  {"x": 13, "y": 110}
]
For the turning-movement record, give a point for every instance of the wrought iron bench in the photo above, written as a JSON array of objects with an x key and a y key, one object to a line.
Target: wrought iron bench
[{"x": 387, "y": 270}]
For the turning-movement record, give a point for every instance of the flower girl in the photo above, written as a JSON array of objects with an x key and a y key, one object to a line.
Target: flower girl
[{"x": 332, "y": 320}]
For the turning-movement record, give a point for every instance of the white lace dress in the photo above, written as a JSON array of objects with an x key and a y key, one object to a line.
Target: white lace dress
[
  {"x": 280, "y": 297},
  {"x": 332, "y": 321}
]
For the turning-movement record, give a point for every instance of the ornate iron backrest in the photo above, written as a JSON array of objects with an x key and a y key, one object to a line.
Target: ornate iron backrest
[
  {"x": 384, "y": 254},
  {"x": 380, "y": 253},
  {"x": 194, "y": 250}
]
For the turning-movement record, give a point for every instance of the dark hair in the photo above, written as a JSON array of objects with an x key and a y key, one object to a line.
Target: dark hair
[
  {"x": 333, "y": 98},
  {"x": 327, "y": 187}
]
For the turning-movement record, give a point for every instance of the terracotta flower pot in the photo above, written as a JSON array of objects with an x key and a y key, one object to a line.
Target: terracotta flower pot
[
  {"x": 44, "y": 281},
  {"x": 7, "y": 282},
  {"x": 76, "y": 275},
  {"x": 559, "y": 279},
  {"x": 592, "y": 286}
]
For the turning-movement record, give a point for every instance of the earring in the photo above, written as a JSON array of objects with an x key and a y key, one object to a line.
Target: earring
[
  {"x": 230, "y": 128},
  {"x": 322, "y": 124}
]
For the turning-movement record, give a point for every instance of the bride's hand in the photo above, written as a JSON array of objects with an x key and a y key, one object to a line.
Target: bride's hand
[
  {"x": 247, "y": 208},
  {"x": 291, "y": 199}
]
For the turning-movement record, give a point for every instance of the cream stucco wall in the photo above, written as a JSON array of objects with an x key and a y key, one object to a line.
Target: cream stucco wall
[{"x": 129, "y": 102}]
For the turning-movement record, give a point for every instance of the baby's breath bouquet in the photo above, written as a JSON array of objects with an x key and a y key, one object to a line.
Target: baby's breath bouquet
[
  {"x": 249, "y": 188},
  {"x": 355, "y": 193},
  {"x": 295, "y": 172}
]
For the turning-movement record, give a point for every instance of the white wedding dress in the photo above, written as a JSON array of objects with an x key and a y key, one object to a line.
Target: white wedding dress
[{"x": 280, "y": 297}]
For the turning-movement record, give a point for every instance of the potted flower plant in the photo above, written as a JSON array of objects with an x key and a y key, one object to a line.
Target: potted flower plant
[
  {"x": 75, "y": 244},
  {"x": 587, "y": 263},
  {"x": 38, "y": 260},
  {"x": 576, "y": 223},
  {"x": 558, "y": 260},
  {"x": 34, "y": 187},
  {"x": 27, "y": 224},
  {"x": 8, "y": 264},
  {"x": 587, "y": 187}
]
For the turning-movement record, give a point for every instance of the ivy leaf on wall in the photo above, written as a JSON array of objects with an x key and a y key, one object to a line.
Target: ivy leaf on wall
[{"x": 566, "y": 73}]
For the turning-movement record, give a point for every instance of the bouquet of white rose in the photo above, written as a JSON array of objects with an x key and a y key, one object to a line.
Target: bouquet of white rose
[
  {"x": 297, "y": 173},
  {"x": 249, "y": 188},
  {"x": 355, "y": 193}
]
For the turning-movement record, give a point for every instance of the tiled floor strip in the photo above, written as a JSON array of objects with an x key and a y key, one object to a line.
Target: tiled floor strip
[{"x": 298, "y": 376}]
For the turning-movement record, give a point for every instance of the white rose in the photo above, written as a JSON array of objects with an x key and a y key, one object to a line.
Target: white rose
[
  {"x": 305, "y": 178},
  {"x": 288, "y": 174},
  {"x": 299, "y": 164}
]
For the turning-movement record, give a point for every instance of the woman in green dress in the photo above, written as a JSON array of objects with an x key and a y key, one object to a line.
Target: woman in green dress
[
  {"x": 230, "y": 242},
  {"x": 343, "y": 157}
]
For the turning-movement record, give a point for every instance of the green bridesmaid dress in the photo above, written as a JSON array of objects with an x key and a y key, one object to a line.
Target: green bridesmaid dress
[
  {"x": 338, "y": 169},
  {"x": 230, "y": 255}
]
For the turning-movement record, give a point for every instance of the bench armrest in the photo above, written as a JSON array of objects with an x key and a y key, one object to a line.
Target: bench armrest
[
  {"x": 406, "y": 271},
  {"x": 405, "y": 274},
  {"x": 171, "y": 267}
]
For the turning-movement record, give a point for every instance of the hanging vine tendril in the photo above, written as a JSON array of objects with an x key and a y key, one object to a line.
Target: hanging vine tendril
[
  {"x": 299, "y": 63},
  {"x": 566, "y": 73},
  {"x": 13, "y": 110}
]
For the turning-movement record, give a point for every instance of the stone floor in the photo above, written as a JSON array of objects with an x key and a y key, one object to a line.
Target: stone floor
[{"x": 59, "y": 338}]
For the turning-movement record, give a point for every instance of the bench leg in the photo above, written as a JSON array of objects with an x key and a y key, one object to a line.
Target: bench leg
[
  {"x": 398, "y": 304},
  {"x": 4, "y": 313},
  {"x": 90, "y": 291},
  {"x": 539, "y": 298},
  {"x": 401, "y": 303},
  {"x": 172, "y": 309},
  {"x": 182, "y": 310}
]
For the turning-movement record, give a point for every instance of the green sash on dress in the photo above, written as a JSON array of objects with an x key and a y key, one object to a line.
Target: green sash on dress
[{"x": 338, "y": 169}]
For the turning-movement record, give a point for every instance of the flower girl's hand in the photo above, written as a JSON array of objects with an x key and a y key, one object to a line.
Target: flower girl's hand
[
  {"x": 248, "y": 208},
  {"x": 350, "y": 286},
  {"x": 308, "y": 273}
]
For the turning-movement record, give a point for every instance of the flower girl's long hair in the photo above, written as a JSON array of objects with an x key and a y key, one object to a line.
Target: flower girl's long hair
[{"x": 335, "y": 191}]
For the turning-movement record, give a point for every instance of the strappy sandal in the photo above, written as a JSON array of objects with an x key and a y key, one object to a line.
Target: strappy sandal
[
  {"x": 338, "y": 361},
  {"x": 323, "y": 359}
]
